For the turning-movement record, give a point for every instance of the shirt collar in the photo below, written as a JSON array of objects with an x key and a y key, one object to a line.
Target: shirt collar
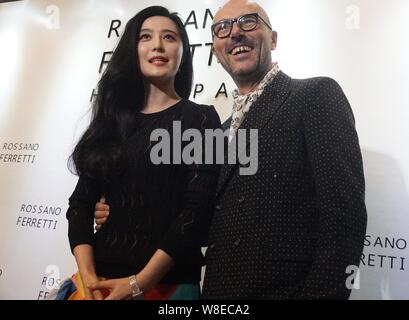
[{"x": 268, "y": 78}]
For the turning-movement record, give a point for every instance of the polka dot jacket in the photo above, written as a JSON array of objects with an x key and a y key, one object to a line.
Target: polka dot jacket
[{"x": 291, "y": 230}]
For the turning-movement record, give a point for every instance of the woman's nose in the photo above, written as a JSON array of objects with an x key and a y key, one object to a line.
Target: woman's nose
[{"x": 158, "y": 44}]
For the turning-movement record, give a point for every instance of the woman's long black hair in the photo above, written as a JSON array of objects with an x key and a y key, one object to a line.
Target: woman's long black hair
[{"x": 121, "y": 95}]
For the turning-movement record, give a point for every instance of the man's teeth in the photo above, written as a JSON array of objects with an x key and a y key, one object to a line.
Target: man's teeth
[{"x": 241, "y": 49}]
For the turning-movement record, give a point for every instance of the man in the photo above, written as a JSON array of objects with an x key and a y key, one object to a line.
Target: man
[{"x": 291, "y": 230}]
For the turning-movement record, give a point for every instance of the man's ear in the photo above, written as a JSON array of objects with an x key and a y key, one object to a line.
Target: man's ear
[
  {"x": 273, "y": 40},
  {"x": 213, "y": 51}
]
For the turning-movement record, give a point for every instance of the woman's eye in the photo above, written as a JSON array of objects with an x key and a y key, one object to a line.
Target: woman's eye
[
  {"x": 144, "y": 37},
  {"x": 169, "y": 37}
]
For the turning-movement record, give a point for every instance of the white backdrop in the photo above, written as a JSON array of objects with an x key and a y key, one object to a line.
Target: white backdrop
[{"x": 50, "y": 55}]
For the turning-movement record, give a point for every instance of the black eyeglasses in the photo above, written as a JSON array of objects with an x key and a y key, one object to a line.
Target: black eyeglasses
[{"x": 246, "y": 22}]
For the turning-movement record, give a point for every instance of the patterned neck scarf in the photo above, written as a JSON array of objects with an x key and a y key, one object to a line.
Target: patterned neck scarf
[{"x": 242, "y": 103}]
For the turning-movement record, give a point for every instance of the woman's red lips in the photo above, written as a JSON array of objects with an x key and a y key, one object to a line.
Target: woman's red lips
[{"x": 158, "y": 58}]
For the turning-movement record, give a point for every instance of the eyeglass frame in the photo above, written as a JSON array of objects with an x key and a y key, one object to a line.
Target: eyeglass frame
[{"x": 237, "y": 20}]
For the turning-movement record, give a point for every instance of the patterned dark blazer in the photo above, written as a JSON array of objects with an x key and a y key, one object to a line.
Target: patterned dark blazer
[{"x": 291, "y": 230}]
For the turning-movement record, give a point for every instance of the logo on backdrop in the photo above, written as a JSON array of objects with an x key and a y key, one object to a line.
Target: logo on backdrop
[
  {"x": 51, "y": 280},
  {"x": 18, "y": 152},
  {"x": 38, "y": 216},
  {"x": 382, "y": 252}
]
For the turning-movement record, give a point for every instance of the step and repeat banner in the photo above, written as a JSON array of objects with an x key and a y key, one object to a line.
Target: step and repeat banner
[{"x": 52, "y": 53}]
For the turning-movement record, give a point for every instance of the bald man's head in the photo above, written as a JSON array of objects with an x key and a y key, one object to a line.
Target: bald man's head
[
  {"x": 244, "y": 54},
  {"x": 245, "y": 4}
]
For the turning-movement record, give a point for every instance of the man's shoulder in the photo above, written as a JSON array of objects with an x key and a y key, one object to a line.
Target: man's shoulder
[
  {"x": 315, "y": 83},
  {"x": 306, "y": 85},
  {"x": 319, "y": 93},
  {"x": 309, "y": 91}
]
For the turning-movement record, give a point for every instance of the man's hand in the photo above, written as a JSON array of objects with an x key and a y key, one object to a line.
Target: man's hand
[{"x": 101, "y": 213}]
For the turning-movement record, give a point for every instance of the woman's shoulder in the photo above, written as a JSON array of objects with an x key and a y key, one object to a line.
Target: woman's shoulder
[
  {"x": 196, "y": 109},
  {"x": 201, "y": 111}
]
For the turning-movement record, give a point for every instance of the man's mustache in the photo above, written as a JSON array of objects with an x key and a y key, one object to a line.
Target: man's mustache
[{"x": 238, "y": 42}]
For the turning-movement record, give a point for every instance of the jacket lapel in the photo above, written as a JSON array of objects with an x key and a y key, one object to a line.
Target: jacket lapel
[{"x": 259, "y": 114}]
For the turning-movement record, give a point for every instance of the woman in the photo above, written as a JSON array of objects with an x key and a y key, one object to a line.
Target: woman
[{"x": 150, "y": 245}]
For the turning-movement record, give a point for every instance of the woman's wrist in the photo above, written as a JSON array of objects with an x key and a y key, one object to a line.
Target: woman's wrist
[
  {"x": 142, "y": 282},
  {"x": 136, "y": 292},
  {"x": 88, "y": 277}
]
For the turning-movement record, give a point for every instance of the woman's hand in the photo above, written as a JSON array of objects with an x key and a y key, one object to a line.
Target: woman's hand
[
  {"x": 119, "y": 289},
  {"x": 147, "y": 278},
  {"x": 91, "y": 294}
]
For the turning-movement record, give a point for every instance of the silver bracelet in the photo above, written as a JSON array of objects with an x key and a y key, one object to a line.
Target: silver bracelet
[{"x": 137, "y": 293}]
